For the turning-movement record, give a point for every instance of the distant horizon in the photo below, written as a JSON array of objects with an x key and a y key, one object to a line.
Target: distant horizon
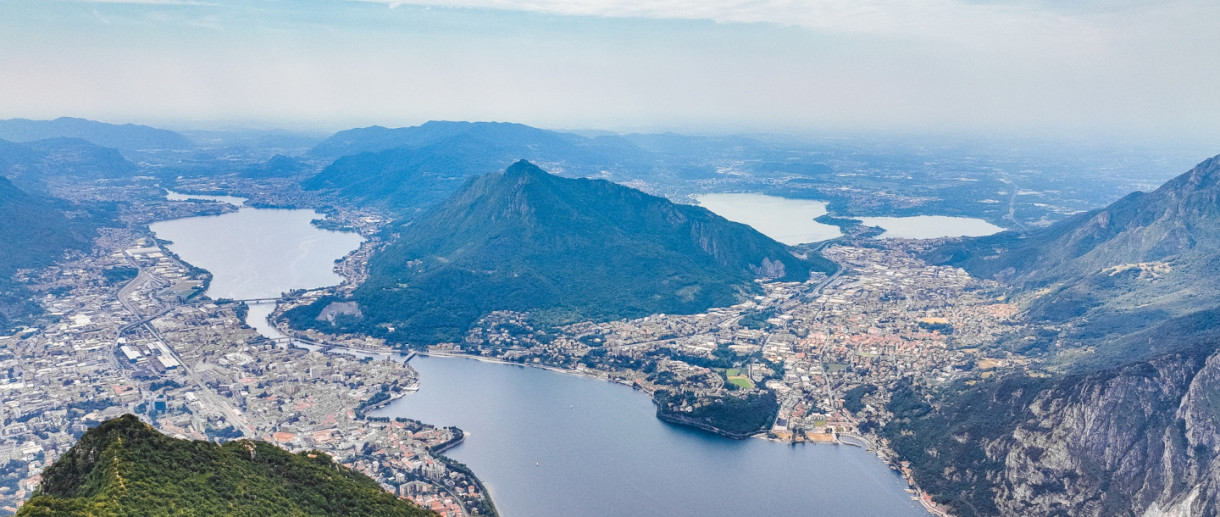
[
  {"x": 1129, "y": 69},
  {"x": 1203, "y": 144}
]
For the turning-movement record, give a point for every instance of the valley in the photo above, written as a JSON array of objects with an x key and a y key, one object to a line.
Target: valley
[{"x": 861, "y": 341}]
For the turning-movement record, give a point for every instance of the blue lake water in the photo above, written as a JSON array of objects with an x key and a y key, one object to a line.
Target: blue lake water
[
  {"x": 259, "y": 253},
  {"x": 549, "y": 445}
]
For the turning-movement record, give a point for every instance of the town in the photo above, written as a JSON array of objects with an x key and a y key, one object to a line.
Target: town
[{"x": 130, "y": 331}]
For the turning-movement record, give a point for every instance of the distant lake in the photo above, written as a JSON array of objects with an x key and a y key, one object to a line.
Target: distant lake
[
  {"x": 178, "y": 196},
  {"x": 931, "y": 226},
  {"x": 790, "y": 221},
  {"x": 555, "y": 445},
  {"x": 259, "y": 253}
]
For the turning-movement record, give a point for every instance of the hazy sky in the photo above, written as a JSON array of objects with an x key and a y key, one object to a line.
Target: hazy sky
[{"x": 1141, "y": 68}]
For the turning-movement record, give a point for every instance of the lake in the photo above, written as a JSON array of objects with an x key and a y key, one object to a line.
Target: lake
[
  {"x": 931, "y": 226},
  {"x": 178, "y": 196},
  {"x": 549, "y": 445},
  {"x": 259, "y": 253},
  {"x": 790, "y": 221}
]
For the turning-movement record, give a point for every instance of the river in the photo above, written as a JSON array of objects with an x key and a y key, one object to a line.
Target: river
[{"x": 549, "y": 445}]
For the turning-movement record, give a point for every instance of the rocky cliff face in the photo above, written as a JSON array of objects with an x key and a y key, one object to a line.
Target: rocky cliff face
[
  {"x": 1131, "y": 294},
  {"x": 1138, "y": 441}
]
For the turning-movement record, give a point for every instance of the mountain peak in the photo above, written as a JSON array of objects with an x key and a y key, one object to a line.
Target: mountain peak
[
  {"x": 524, "y": 168},
  {"x": 564, "y": 249},
  {"x": 1149, "y": 251},
  {"x": 1204, "y": 176},
  {"x": 125, "y": 467}
]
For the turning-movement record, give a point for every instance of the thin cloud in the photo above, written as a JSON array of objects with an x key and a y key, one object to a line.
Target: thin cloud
[
  {"x": 151, "y": 2},
  {"x": 101, "y": 18},
  {"x": 868, "y": 16}
]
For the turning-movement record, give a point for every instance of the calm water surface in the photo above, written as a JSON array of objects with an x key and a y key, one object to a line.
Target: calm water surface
[
  {"x": 259, "y": 253},
  {"x": 178, "y": 196},
  {"x": 551, "y": 445},
  {"x": 931, "y": 226},
  {"x": 790, "y": 221}
]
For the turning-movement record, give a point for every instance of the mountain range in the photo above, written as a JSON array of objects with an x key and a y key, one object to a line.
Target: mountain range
[
  {"x": 1147, "y": 257},
  {"x": 32, "y": 164},
  {"x": 1128, "y": 297},
  {"x": 125, "y": 467},
  {"x": 125, "y": 137},
  {"x": 526, "y": 240},
  {"x": 35, "y": 232},
  {"x": 409, "y": 169}
]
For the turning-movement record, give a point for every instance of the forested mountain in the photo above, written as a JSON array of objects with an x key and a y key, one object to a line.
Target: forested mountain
[
  {"x": 125, "y": 467},
  {"x": 278, "y": 166},
  {"x": 125, "y": 137},
  {"x": 526, "y": 240},
  {"x": 34, "y": 232},
  {"x": 1130, "y": 296},
  {"x": 31, "y": 164},
  {"x": 1145, "y": 258},
  {"x": 409, "y": 169},
  {"x": 498, "y": 134}
]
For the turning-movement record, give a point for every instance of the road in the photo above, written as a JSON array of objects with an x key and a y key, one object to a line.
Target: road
[
  {"x": 1012, "y": 204},
  {"x": 205, "y": 394}
]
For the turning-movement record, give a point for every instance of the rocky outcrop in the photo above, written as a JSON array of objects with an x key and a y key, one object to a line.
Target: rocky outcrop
[{"x": 1138, "y": 442}]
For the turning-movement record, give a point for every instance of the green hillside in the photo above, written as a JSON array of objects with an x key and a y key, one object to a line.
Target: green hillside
[
  {"x": 35, "y": 233},
  {"x": 125, "y": 467},
  {"x": 526, "y": 240},
  {"x": 1145, "y": 258},
  {"x": 32, "y": 164}
]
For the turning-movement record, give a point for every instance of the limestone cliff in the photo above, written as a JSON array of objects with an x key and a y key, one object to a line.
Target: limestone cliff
[{"x": 1138, "y": 440}]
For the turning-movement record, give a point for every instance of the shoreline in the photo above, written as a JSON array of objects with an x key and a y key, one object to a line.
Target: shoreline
[
  {"x": 585, "y": 372},
  {"x": 867, "y": 445}
]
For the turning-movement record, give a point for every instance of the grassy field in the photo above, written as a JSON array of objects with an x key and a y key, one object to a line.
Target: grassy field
[{"x": 735, "y": 377}]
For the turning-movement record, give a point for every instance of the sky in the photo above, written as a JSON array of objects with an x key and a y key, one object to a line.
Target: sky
[{"x": 1136, "y": 68}]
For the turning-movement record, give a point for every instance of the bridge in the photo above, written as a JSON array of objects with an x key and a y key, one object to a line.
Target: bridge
[{"x": 257, "y": 300}]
